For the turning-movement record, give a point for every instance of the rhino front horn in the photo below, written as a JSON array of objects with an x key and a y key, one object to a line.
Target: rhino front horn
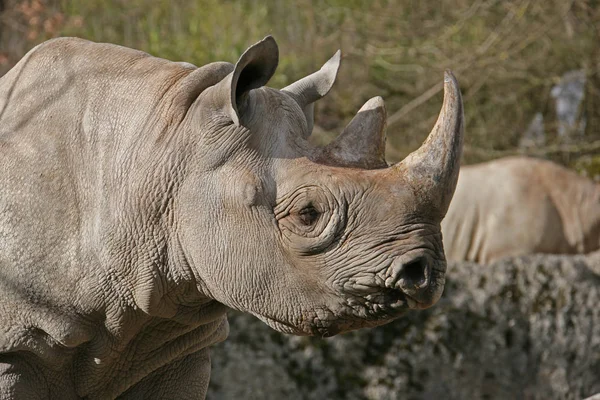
[
  {"x": 362, "y": 143},
  {"x": 433, "y": 168}
]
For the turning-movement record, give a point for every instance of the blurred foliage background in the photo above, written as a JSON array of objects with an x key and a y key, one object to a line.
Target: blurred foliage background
[{"x": 507, "y": 54}]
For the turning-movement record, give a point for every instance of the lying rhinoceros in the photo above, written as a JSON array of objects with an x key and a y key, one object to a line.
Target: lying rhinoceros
[
  {"x": 520, "y": 205},
  {"x": 140, "y": 198}
]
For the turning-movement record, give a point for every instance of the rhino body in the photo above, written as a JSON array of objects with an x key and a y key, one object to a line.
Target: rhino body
[
  {"x": 141, "y": 198},
  {"x": 521, "y": 205}
]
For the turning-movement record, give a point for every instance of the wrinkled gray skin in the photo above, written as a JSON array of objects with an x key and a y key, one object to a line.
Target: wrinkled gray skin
[
  {"x": 520, "y": 205},
  {"x": 140, "y": 198}
]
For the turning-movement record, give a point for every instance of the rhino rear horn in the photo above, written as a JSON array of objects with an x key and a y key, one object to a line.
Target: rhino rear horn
[
  {"x": 434, "y": 167},
  {"x": 313, "y": 87},
  {"x": 253, "y": 70},
  {"x": 362, "y": 142}
]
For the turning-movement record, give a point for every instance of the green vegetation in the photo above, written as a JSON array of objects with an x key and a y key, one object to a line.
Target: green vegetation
[{"x": 506, "y": 54}]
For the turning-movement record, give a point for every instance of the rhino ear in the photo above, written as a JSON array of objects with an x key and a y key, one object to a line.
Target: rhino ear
[
  {"x": 313, "y": 87},
  {"x": 253, "y": 70}
]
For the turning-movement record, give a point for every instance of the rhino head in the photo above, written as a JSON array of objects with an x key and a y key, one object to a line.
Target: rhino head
[{"x": 311, "y": 240}]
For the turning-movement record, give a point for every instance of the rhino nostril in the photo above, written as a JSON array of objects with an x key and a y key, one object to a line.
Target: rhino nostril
[{"x": 414, "y": 275}]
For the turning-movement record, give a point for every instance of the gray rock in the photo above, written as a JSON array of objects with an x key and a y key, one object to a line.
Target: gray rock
[
  {"x": 534, "y": 135},
  {"x": 569, "y": 93},
  {"x": 520, "y": 328}
]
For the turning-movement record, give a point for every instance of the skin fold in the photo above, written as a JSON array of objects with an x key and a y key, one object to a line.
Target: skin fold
[{"x": 142, "y": 198}]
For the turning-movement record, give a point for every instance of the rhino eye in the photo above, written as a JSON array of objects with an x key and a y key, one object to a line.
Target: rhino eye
[
  {"x": 310, "y": 219},
  {"x": 308, "y": 215}
]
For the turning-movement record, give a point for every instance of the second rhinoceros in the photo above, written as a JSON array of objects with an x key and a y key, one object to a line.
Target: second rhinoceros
[
  {"x": 140, "y": 198},
  {"x": 521, "y": 205}
]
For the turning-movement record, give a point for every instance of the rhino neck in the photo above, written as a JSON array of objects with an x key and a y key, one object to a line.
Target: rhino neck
[
  {"x": 108, "y": 286},
  {"x": 160, "y": 315},
  {"x": 126, "y": 160},
  {"x": 153, "y": 312}
]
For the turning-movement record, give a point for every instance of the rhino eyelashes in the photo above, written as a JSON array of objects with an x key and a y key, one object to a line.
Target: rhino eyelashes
[
  {"x": 308, "y": 222},
  {"x": 308, "y": 215},
  {"x": 311, "y": 220}
]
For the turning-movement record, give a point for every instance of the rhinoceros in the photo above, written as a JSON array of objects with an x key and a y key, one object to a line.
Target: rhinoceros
[
  {"x": 521, "y": 205},
  {"x": 142, "y": 198}
]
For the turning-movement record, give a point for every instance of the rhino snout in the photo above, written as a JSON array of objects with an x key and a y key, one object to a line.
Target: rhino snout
[
  {"x": 413, "y": 276},
  {"x": 416, "y": 279}
]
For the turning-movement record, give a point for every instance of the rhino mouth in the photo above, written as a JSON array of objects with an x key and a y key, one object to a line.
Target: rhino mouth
[
  {"x": 397, "y": 298},
  {"x": 384, "y": 301},
  {"x": 381, "y": 305},
  {"x": 409, "y": 282}
]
